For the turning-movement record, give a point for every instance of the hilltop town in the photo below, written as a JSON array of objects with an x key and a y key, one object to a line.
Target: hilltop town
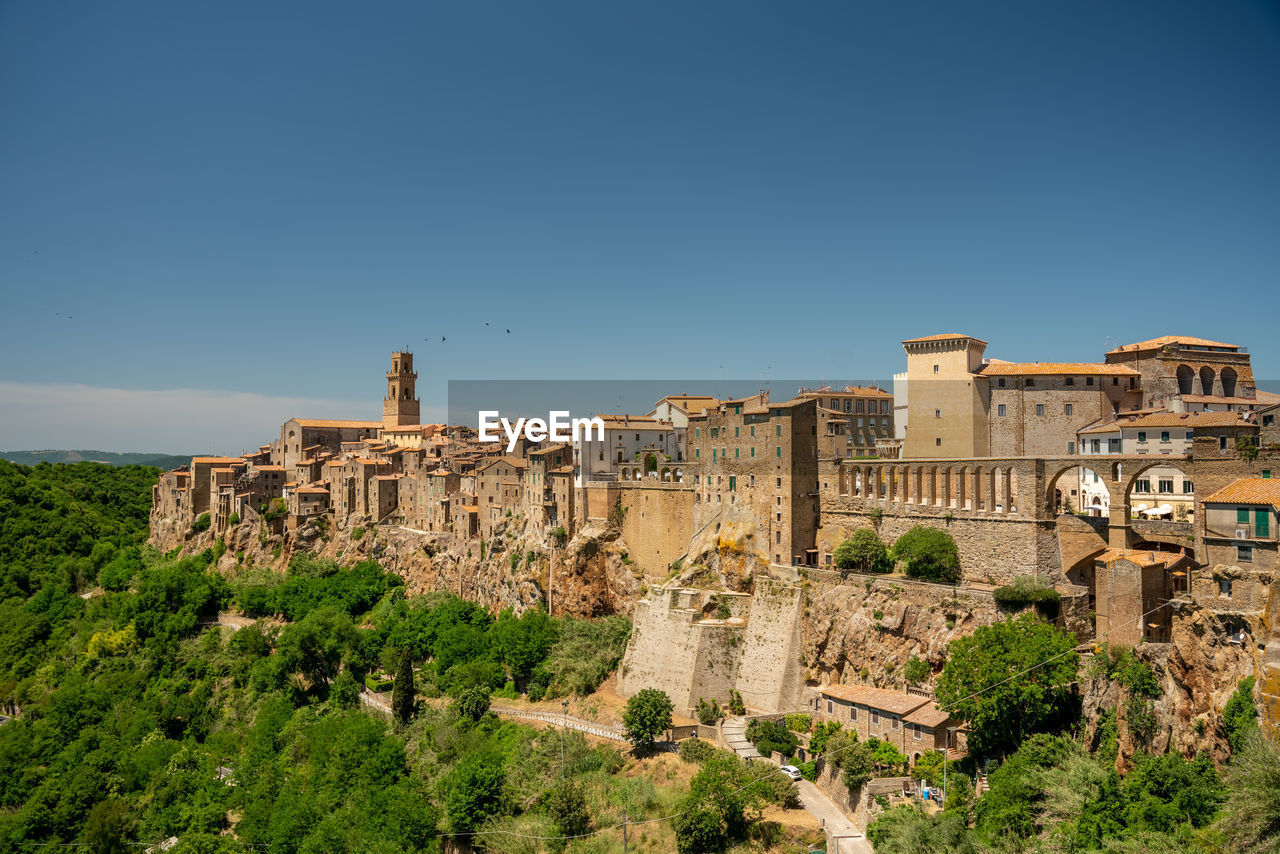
[{"x": 1137, "y": 489}]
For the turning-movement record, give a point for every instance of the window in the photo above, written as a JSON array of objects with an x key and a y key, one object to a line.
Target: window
[
  {"x": 1066, "y": 409},
  {"x": 1000, "y": 382},
  {"x": 829, "y": 707},
  {"x": 1142, "y": 485},
  {"x": 697, "y": 453},
  {"x": 697, "y": 432},
  {"x": 935, "y": 369},
  {"x": 753, "y": 429},
  {"x": 1188, "y": 487},
  {"x": 1166, "y": 486},
  {"x": 1262, "y": 523},
  {"x": 1268, "y": 420},
  {"x": 735, "y": 432},
  {"x": 1000, "y": 409},
  {"x": 1039, "y": 409},
  {"x": 777, "y": 429},
  {"x": 779, "y": 483},
  {"x": 1071, "y": 447},
  {"x": 1071, "y": 380},
  {"x": 1244, "y": 554},
  {"x": 1115, "y": 381},
  {"x": 1029, "y": 383},
  {"x": 1095, "y": 446},
  {"x": 937, "y": 442},
  {"x": 893, "y": 722},
  {"x": 778, "y": 451},
  {"x": 777, "y": 536},
  {"x": 753, "y": 450},
  {"x": 1222, "y": 443},
  {"x": 937, "y": 413},
  {"x": 737, "y": 452},
  {"x": 917, "y": 732},
  {"x": 733, "y": 482},
  {"x": 875, "y": 716},
  {"x": 1164, "y": 435},
  {"x": 1224, "y": 587},
  {"x": 1142, "y": 435},
  {"x": 1266, "y": 474},
  {"x": 853, "y": 713},
  {"x": 1088, "y": 380},
  {"x": 737, "y": 410}
]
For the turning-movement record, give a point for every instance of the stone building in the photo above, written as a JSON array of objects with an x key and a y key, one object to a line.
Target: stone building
[
  {"x": 758, "y": 465},
  {"x": 911, "y": 723},
  {"x": 400, "y": 406},
  {"x": 1239, "y": 535},
  {"x": 858, "y": 418},
  {"x": 499, "y": 490},
  {"x": 1133, "y": 589},
  {"x": 628, "y": 439},
  {"x": 1177, "y": 366}
]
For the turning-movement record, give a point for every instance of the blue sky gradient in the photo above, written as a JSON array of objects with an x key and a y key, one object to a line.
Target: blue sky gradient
[{"x": 265, "y": 199}]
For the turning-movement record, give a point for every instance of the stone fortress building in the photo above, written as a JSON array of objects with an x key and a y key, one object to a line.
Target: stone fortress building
[{"x": 1138, "y": 486}]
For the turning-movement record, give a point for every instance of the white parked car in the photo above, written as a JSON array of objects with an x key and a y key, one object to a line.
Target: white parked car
[{"x": 793, "y": 772}]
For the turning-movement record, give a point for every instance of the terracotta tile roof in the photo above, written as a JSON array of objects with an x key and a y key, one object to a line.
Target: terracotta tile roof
[
  {"x": 1187, "y": 419},
  {"x": 324, "y": 422},
  {"x": 996, "y": 368},
  {"x": 1140, "y": 557},
  {"x": 1153, "y": 343},
  {"x": 867, "y": 391},
  {"x": 337, "y": 462},
  {"x": 893, "y": 702},
  {"x": 215, "y": 460},
  {"x": 313, "y": 490},
  {"x": 928, "y": 715},
  {"x": 1249, "y": 490},
  {"x": 542, "y": 451},
  {"x": 640, "y": 422},
  {"x": 946, "y": 336},
  {"x": 1217, "y": 398},
  {"x": 1105, "y": 427},
  {"x": 269, "y": 468},
  {"x": 513, "y": 461},
  {"x": 471, "y": 508}
]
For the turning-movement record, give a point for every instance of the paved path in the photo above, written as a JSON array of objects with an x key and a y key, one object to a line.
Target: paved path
[
  {"x": 847, "y": 838},
  {"x": 733, "y": 731},
  {"x": 590, "y": 727}
]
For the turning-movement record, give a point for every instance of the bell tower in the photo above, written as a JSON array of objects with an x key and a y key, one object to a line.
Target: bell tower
[{"x": 400, "y": 406}]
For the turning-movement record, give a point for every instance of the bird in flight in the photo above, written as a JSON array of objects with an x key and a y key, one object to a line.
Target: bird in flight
[{"x": 508, "y": 331}]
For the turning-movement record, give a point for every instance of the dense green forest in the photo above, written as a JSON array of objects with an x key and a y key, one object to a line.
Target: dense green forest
[
  {"x": 138, "y": 718},
  {"x": 111, "y": 458}
]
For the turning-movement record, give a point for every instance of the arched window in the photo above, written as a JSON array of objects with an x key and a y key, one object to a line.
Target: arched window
[
  {"x": 1206, "y": 380},
  {"x": 1186, "y": 379},
  {"x": 1229, "y": 382}
]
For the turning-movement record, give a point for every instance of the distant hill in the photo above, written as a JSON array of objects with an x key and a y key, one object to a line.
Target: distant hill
[{"x": 111, "y": 458}]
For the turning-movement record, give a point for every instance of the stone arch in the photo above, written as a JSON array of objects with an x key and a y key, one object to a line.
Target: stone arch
[
  {"x": 679, "y": 475},
  {"x": 666, "y": 475},
  {"x": 1229, "y": 382},
  {"x": 1056, "y": 494},
  {"x": 1186, "y": 379},
  {"x": 651, "y": 463},
  {"x": 1206, "y": 380},
  {"x": 1135, "y": 471}
]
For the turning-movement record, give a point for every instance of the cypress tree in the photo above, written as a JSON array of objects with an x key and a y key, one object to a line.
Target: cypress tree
[{"x": 402, "y": 694}]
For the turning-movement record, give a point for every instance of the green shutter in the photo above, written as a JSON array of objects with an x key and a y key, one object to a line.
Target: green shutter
[
  {"x": 1242, "y": 515},
  {"x": 1262, "y": 522}
]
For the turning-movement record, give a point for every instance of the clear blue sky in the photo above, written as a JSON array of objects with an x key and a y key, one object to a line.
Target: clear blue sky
[{"x": 265, "y": 198}]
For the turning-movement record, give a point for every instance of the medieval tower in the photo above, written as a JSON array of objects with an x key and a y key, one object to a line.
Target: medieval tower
[{"x": 400, "y": 406}]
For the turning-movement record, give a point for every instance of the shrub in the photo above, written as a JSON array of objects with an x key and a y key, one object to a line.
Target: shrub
[
  {"x": 736, "y": 705},
  {"x": 799, "y": 722},
  {"x": 1240, "y": 715},
  {"x": 377, "y": 685},
  {"x": 917, "y": 669},
  {"x": 696, "y": 750},
  {"x": 864, "y": 551},
  {"x": 233, "y": 519},
  {"x": 1025, "y": 591},
  {"x": 708, "y": 712},
  {"x": 559, "y": 534},
  {"x": 822, "y": 734},
  {"x": 772, "y": 737},
  {"x": 277, "y": 510},
  {"x": 201, "y": 523},
  {"x": 357, "y": 533},
  {"x": 929, "y": 554}
]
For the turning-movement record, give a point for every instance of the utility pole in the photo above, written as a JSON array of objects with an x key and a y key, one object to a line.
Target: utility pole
[{"x": 565, "y": 705}]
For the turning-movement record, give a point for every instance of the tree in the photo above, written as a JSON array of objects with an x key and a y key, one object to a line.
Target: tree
[
  {"x": 905, "y": 829},
  {"x": 865, "y": 551},
  {"x": 472, "y": 792},
  {"x": 929, "y": 767},
  {"x": 1008, "y": 680},
  {"x": 698, "y": 831},
  {"x": 648, "y": 713},
  {"x": 345, "y": 692},
  {"x": 402, "y": 690},
  {"x": 929, "y": 553},
  {"x": 567, "y": 807},
  {"x": 1240, "y": 715},
  {"x": 107, "y": 827},
  {"x": 1251, "y": 818},
  {"x": 857, "y": 764},
  {"x": 472, "y": 704}
]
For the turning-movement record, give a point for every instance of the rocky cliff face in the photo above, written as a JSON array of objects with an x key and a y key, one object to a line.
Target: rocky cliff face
[
  {"x": 864, "y": 632},
  {"x": 588, "y": 576}
]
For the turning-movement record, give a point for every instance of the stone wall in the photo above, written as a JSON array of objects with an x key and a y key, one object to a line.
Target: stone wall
[{"x": 657, "y": 524}]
